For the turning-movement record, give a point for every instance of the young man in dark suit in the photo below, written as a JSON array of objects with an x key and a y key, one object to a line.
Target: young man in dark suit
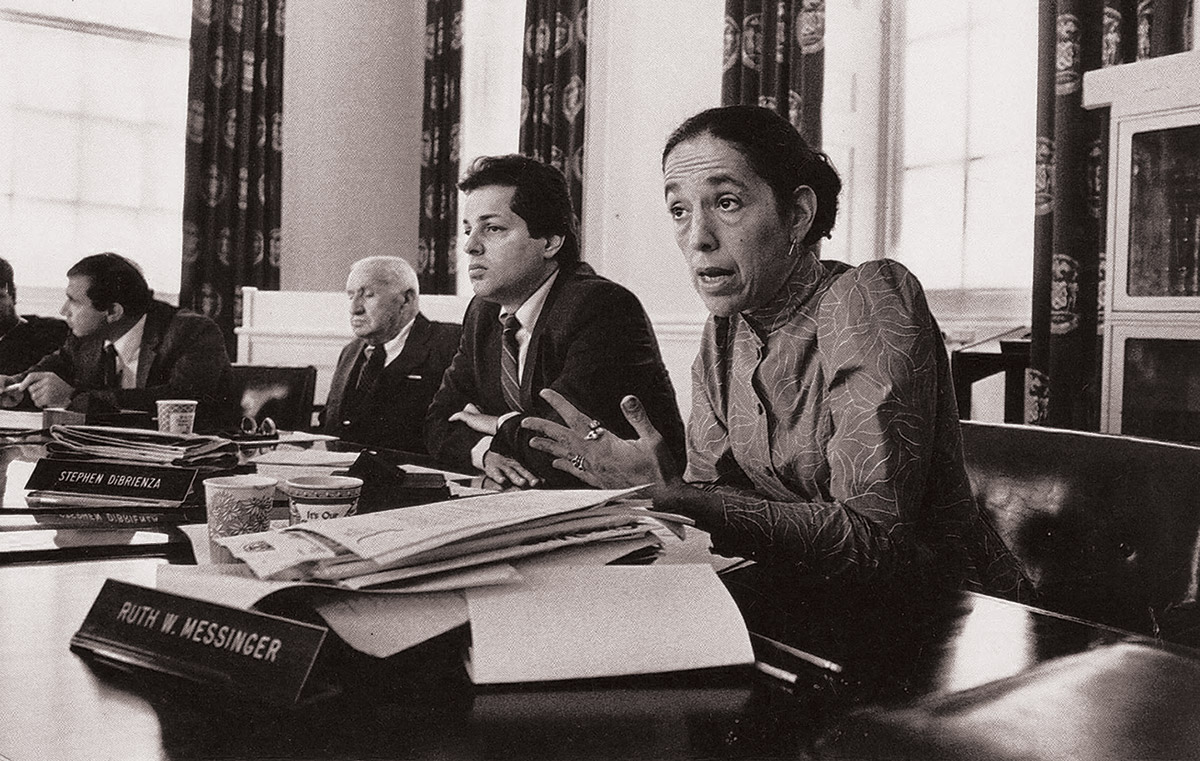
[
  {"x": 127, "y": 350},
  {"x": 386, "y": 376},
  {"x": 540, "y": 319}
]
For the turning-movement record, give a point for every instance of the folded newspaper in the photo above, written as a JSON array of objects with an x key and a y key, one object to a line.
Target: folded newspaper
[
  {"x": 141, "y": 445},
  {"x": 393, "y": 546}
]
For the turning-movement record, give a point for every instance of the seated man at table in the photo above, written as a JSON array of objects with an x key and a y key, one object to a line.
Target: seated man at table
[
  {"x": 386, "y": 376},
  {"x": 23, "y": 339},
  {"x": 126, "y": 350},
  {"x": 540, "y": 319}
]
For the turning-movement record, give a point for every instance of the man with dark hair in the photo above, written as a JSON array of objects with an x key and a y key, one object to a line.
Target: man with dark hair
[
  {"x": 23, "y": 339},
  {"x": 540, "y": 319},
  {"x": 127, "y": 350},
  {"x": 386, "y": 377}
]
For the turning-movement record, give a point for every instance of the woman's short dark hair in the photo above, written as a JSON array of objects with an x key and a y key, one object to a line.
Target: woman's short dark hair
[
  {"x": 541, "y": 197},
  {"x": 113, "y": 279},
  {"x": 776, "y": 151}
]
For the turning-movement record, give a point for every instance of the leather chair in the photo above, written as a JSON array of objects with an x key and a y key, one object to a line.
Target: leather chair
[
  {"x": 1107, "y": 527},
  {"x": 284, "y": 394}
]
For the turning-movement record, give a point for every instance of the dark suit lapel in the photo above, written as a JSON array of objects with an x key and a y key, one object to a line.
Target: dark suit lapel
[
  {"x": 416, "y": 348},
  {"x": 152, "y": 336},
  {"x": 544, "y": 320},
  {"x": 338, "y": 393}
]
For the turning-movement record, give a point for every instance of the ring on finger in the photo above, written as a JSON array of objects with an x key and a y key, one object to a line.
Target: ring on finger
[
  {"x": 595, "y": 431},
  {"x": 577, "y": 461}
]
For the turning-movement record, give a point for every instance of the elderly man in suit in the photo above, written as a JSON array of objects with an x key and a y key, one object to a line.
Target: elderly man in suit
[
  {"x": 127, "y": 350},
  {"x": 386, "y": 376},
  {"x": 540, "y": 319}
]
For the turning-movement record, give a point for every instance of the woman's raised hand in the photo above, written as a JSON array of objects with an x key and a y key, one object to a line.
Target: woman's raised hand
[{"x": 597, "y": 456}]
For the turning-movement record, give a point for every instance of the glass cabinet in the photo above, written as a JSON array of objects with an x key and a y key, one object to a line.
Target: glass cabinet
[{"x": 1151, "y": 361}]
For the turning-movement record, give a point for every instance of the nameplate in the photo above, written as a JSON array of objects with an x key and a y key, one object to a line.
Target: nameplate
[
  {"x": 259, "y": 656},
  {"x": 149, "y": 483}
]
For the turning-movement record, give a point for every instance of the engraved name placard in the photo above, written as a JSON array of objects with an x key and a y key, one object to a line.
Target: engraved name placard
[
  {"x": 255, "y": 655},
  {"x": 144, "y": 483}
]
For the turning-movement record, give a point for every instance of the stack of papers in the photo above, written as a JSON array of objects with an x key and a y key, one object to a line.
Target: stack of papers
[
  {"x": 396, "y": 546},
  {"x": 289, "y": 462},
  {"x": 141, "y": 446}
]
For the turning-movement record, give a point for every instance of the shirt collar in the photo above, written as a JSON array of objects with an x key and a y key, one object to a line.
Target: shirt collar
[
  {"x": 396, "y": 345},
  {"x": 129, "y": 345},
  {"x": 529, "y": 312}
]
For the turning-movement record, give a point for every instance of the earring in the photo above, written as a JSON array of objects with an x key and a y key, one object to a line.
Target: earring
[{"x": 792, "y": 247}]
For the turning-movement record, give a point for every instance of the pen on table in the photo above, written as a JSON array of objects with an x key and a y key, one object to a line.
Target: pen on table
[{"x": 815, "y": 660}]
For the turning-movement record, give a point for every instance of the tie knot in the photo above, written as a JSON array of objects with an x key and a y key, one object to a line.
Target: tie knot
[
  {"x": 370, "y": 350},
  {"x": 511, "y": 324}
]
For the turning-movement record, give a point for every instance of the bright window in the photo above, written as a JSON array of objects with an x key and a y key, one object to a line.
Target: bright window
[
  {"x": 93, "y": 104},
  {"x": 968, "y": 71}
]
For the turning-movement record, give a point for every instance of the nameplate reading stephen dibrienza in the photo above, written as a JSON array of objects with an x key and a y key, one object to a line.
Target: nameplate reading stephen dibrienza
[
  {"x": 264, "y": 657},
  {"x": 112, "y": 479}
]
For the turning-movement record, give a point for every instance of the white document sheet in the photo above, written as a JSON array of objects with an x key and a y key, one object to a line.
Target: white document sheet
[
  {"x": 383, "y": 625},
  {"x": 600, "y": 621}
]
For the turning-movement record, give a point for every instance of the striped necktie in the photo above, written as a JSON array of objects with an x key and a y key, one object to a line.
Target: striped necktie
[{"x": 510, "y": 377}]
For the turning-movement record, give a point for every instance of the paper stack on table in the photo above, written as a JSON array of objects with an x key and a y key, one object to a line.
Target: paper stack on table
[
  {"x": 396, "y": 545},
  {"x": 290, "y": 461},
  {"x": 141, "y": 445},
  {"x": 560, "y": 615}
]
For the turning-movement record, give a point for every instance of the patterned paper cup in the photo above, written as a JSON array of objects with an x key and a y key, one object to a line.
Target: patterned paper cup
[
  {"x": 176, "y": 415},
  {"x": 318, "y": 498},
  {"x": 236, "y": 505}
]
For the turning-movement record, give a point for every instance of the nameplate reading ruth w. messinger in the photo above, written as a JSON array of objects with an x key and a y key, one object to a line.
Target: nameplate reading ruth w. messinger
[
  {"x": 156, "y": 483},
  {"x": 259, "y": 656}
]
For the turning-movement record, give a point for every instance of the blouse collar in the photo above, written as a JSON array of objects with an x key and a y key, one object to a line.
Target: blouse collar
[{"x": 803, "y": 281}]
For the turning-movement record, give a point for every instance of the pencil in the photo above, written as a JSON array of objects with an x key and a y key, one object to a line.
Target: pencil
[{"x": 815, "y": 660}]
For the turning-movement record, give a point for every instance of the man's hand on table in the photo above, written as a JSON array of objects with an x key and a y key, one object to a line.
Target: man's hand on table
[{"x": 505, "y": 471}]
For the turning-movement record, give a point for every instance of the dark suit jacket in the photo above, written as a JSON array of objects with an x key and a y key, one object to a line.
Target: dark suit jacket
[
  {"x": 593, "y": 343},
  {"x": 182, "y": 357},
  {"x": 29, "y": 341},
  {"x": 392, "y": 414}
]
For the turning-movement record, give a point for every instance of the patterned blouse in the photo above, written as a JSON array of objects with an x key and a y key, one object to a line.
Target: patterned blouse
[{"x": 826, "y": 421}]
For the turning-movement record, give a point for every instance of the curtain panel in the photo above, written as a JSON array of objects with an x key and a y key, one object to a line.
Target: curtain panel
[
  {"x": 440, "y": 135},
  {"x": 775, "y": 57},
  {"x": 552, "y": 87},
  {"x": 232, "y": 169},
  {"x": 1062, "y": 384}
]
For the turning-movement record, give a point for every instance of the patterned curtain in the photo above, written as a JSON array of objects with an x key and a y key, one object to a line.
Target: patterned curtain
[
  {"x": 775, "y": 57},
  {"x": 232, "y": 159},
  {"x": 1062, "y": 384},
  {"x": 439, "y": 162},
  {"x": 552, "y": 87}
]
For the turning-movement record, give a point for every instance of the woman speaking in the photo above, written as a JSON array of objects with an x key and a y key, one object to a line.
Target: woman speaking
[{"x": 824, "y": 439}]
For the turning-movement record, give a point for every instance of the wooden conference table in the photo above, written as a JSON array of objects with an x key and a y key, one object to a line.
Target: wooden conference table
[{"x": 960, "y": 675}]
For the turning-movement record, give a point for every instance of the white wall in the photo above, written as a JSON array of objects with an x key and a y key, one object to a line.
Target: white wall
[
  {"x": 352, "y": 110},
  {"x": 651, "y": 65}
]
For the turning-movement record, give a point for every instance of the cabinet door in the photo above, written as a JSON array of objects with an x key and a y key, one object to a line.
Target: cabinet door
[
  {"x": 1156, "y": 261},
  {"x": 1157, "y": 372}
]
